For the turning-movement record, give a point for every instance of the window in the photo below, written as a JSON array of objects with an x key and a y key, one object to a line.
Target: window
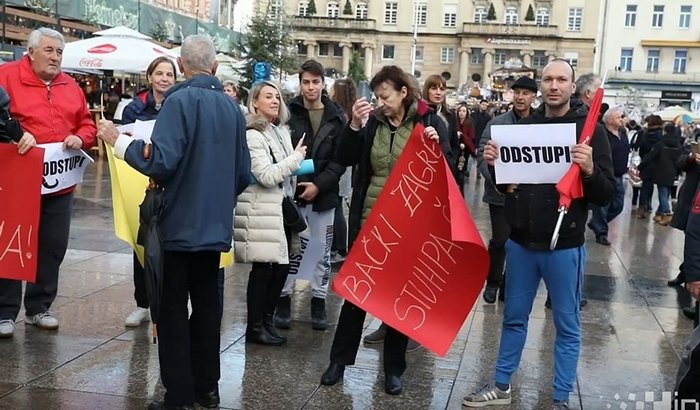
[
  {"x": 573, "y": 62},
  {"x": 449, "y": 16},
  {"x": 480, "y": 14},
  {"x": 447, "y": 55},
  {"x": 303, "y": 8},
  {"x": 337, "y": 50},
  {"x": 626, "y": 59},
  {"x": 419, "y": 53},
  {"x": 657, "y": 19},
  {"x": 391, "y": 9},
  {"x": 302, "y": 49},
  {"x": 477, "y": 56},
  {"x": 499, "y": 57},
  {"x": 274, "y": 8},
  {"x": 542, "y": 17},
  {"x": 323, "y": 49},
  {"x": 653, "y": 61},
  {"x": 631, "y": 15},
  {"x": 361, "y": 11},
  {"x": 420, "y": 15},
  {"x": 388, "y": 52},
  {"x": 332, "y": 10},
  {"x": 539, "y": 59},
  {"x": 574, "y": 21},
  {"x": 680, "y": 61},
  {"x": 511, "y": 16},
  {"x": 685, "y": 17}
]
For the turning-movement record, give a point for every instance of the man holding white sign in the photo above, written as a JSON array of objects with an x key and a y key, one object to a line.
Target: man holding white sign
[
  {"x": 51, "y": 108},
  {"x": 531, "y": 210}
]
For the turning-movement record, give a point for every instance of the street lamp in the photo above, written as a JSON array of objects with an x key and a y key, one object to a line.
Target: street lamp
[
  {"x": 415, "y": 38},
  {"x": 196, "y": 18}
]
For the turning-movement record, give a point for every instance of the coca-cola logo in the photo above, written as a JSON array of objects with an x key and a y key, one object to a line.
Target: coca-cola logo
[
  {"x": 103, "y": 49},
  {"x": 90, "y": 62}
]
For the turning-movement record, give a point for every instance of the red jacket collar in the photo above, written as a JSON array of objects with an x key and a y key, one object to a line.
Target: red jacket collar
[{"x": 28, "y": 76}]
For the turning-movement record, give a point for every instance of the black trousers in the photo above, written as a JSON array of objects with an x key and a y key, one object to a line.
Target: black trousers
[
  {"x": 265, "y": 283},
  {"x": 54, "y": 229},
  {"x": 347, "y": 337},
  {"x": 500, "y": 231},
  {"x": 188, "y": 348},
  {"x": 340, "y": 229},
  {"x": 140, "y": 289}
]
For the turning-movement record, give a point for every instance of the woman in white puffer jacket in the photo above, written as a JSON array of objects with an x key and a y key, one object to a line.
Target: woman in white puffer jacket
[{"x": 259, "y": 234}]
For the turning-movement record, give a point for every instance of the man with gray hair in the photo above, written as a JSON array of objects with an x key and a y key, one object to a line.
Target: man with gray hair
[
  {"x": 613, "y": 120},
  {"x": 198, "y": 154},
  {"x": 51, "y": 108},
  {"x": 586, "y": 86}
]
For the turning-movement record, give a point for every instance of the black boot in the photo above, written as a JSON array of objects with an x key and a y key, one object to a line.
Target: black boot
[
  {"x": 279, "y": 276},
  {"x": 319, "y": 320},
  {"x": 677, "y": 281},
  {"x": 333, "y": 374},
  {"x": 259, "y": 280},
  {"x": 257, "y": 333},
  {"x": 392, "y": 384},
  {"x": 283, "y": 313},
  {"x": 269, "y": 325},
  {"x": 689, "y": 312}
]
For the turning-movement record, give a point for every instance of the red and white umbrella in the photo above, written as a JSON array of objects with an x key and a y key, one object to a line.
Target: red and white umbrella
[{"x": 116, "y": 50}]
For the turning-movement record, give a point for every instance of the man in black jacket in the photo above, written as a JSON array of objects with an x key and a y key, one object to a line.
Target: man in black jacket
[
  {"x": 316, "y": 119},
  {"x": 531, "y": 210}
]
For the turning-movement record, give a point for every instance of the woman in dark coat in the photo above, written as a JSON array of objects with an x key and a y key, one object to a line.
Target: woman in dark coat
[
  {"x": 645, "y": 142},
  {"x": 662, "y": 158}
]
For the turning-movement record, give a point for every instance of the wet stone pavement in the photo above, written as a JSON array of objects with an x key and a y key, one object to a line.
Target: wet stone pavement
[{"x": 633, "y": 334}]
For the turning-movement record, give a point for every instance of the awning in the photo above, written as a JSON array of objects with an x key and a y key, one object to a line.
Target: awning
[{"x": 670, "y": 43}]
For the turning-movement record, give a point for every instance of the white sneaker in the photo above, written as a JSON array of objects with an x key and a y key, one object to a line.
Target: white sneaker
[
  {"x": 44, "y": 320},
  {"x": 137, "y": 317},
  {"x": 7, "y": 328}
]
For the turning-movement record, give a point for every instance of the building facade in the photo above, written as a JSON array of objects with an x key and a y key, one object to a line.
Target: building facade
[
  {"x": 651, "y": 51},
  {"x": 462, "y": 40}
]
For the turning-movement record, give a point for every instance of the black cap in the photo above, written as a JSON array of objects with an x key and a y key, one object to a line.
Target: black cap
[{"x": 525, "y": 83}]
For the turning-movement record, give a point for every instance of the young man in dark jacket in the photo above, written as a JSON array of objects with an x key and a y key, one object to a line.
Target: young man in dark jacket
[
  {"x": 531, "y": 210},
  {"x": 316, "y": 119},
  {"x": 200, "y": 157},
  {"x": 524, "y": 93}
]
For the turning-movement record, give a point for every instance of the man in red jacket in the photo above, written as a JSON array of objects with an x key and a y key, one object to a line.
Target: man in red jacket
[{"x": 51, "y": 108}]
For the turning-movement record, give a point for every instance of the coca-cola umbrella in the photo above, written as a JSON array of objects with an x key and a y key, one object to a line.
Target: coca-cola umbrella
[{"x": 125, "y": 53}]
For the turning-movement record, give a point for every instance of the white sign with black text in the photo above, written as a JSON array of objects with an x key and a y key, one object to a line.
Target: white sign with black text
[
  {"x": 63, "y": 168},
  {"x": 533, "y": 153}
]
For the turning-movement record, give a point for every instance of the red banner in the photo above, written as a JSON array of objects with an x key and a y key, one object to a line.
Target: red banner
[
  {"x": 20, "y": 199},
  {"x": 419, "y": 262}
]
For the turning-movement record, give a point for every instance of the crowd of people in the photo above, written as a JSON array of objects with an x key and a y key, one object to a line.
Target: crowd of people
[{"x": 203, "y": 146}]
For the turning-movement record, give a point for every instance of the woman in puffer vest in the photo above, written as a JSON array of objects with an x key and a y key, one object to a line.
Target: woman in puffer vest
[
  {"x": 259, "y": 233},
  {"x": 374, "y": 143}
]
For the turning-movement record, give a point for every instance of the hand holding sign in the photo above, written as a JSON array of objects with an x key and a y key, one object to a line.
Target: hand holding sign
[
  {"x": 491, "y": 152},
  {"x": 107, "y": 132},
  {"x": 72, "y": 142},
  {"x": 26, "y": 143}
]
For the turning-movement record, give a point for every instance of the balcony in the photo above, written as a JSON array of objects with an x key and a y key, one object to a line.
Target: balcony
[
  {"x": 325, "y": 23},
  {"x": 658, "y": 77},
  {"x": 519, "y": 30}
]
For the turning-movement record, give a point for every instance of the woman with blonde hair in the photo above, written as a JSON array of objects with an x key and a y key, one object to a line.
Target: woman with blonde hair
[{"x": 260, "y": 237}]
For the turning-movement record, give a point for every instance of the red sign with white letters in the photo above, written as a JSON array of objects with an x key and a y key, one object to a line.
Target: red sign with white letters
[
  {"x": 20, "y": 206},
  {"x": 418, "y": 263}
]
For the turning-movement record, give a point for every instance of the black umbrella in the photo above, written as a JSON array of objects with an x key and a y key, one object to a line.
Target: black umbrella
[{"x": 150, "y": 237}]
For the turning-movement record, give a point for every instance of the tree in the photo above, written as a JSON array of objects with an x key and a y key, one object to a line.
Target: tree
[
  {"x": 91, "y": 16},
  {"x": 356, "y": 71},
  {"x": 491, "y": 16},
  {"x": 268, "y": 41},
  {"x": 312, "y": 8},
  {"x": 160, "y": 32},
  {"x": 347, "y": 10},
  {"x": 530, "y": 15}
]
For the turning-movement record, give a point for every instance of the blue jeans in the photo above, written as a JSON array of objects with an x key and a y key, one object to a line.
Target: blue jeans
[
  {"x": 602, "y": 215},
  {"x": 562, "y": 271},
  {"x": 664, "y": 205}
]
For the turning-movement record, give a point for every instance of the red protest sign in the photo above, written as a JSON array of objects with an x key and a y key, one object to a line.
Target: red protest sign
[
  {"x": 418, "y": 263},
  {"x": 20, "y": 195}
]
